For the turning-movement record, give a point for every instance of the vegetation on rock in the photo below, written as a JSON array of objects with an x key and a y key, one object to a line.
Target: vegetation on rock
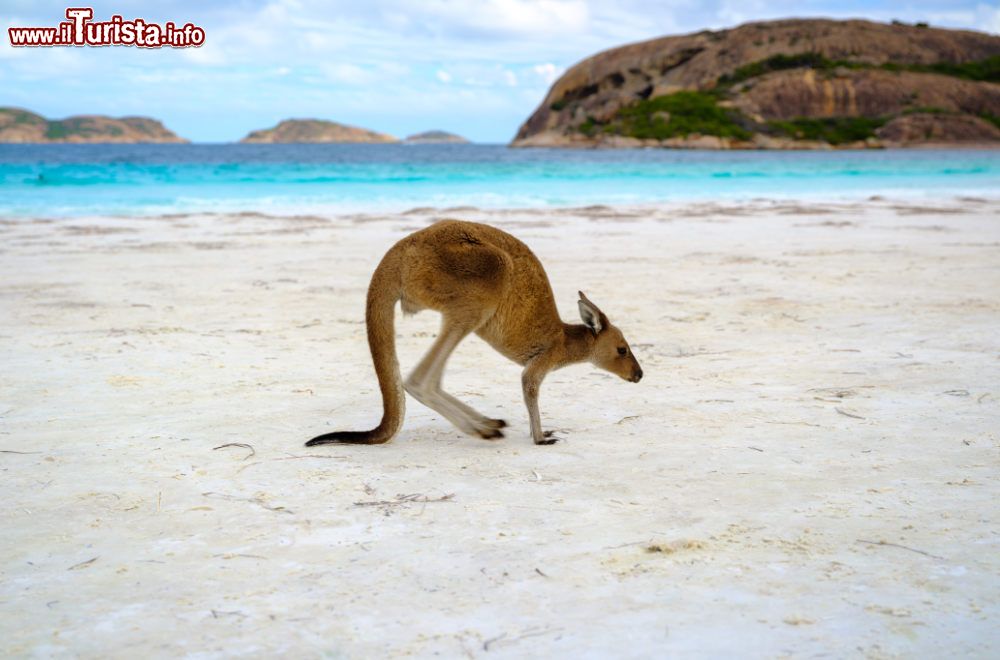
[
  {"x": 986, "y": 69},
  {"x": 777, "y": 63},
  {"x": 833, "y": 130},
  {"x": 673, "y": 115}
]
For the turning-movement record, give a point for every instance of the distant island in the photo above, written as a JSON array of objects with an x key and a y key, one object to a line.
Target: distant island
[
  {"x": 316, "y": 130},
  {"x": 18, "y": 125},
  {"x": 787, "y": 84},
  {"x": 435, "y": 137}
]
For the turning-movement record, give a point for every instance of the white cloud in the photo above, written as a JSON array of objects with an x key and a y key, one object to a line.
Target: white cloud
[
  {"x": 8, "y": 52},
  {"x": 210, "y": 54},
  {"x": 348, "y": 74},
  {"x": 548, "y": 72},
  {"x": 443, "y": 76},
  {"x": 232, "y": 42},
  {"x": 528, "y": 16},
  {"x": 510, "y": 77},
  {"x": 394, "y": 69},
  {"x": 486, "y": 18},
  {"x": 733, "y": 12},
  {"x": 45, "y": 64},
  {"x": 988, "y": 18}
]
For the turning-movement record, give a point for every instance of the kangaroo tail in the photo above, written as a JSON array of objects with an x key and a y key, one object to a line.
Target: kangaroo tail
[{"x": 384, "y": 291}]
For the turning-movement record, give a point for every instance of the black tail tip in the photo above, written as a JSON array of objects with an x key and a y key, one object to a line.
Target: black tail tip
[
  {"x": 330, "y": 439},
  {"x": 347, "y": 438}
]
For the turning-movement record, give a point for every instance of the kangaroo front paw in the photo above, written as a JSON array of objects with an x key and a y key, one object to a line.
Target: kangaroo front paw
[{"x": 548, "y": 438}]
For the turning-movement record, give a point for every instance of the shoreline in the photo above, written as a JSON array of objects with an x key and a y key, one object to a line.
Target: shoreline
[
  {"x": 761, "y": 143},
  {"x": 567, "y": 142},
  {"x": 755, "y": 204}
]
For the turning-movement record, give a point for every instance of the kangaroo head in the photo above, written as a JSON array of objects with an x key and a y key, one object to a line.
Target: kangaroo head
[{"x": 610, "y": 352}]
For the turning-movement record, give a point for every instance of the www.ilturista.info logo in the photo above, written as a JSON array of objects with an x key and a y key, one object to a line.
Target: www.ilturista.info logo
[{"x": 79, "y": 30}]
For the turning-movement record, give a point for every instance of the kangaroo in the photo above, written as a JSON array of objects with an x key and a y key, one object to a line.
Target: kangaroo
[{"x": 482, "y": 280}]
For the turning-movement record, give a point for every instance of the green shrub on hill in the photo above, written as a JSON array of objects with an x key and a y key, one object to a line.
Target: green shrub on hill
[
  {"x": 780, "y": 63},
  {"x": 834, "y": 130},
  {"x": 674, "y": 115},
  {"x": 56, "y": 130},
  {"x": 992, "y": 118},
  {"x": 987, "y": 69}
]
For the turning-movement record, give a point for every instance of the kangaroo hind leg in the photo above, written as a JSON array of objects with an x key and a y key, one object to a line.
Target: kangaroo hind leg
[{"x": 424, "y": 384}]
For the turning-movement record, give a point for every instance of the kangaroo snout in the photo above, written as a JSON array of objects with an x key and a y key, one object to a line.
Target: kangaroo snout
[{"x": 636, "y": 375}]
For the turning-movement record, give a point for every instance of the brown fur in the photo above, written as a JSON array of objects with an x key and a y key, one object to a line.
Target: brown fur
[{"x": 482, "y": 280}]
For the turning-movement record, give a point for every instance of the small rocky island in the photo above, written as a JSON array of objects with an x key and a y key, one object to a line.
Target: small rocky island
[
  {"x": 787, "y": 84},
  {"x": 316, "y": 131},
  {"x": 18, "y": 125},
  {"x": 435, "y": 137}
]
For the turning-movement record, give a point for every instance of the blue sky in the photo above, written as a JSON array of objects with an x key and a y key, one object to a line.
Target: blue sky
[{"x": 478, "y": 68}]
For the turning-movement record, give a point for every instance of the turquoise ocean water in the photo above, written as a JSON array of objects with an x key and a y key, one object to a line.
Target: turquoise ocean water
[{"x": 81, "y": 180}]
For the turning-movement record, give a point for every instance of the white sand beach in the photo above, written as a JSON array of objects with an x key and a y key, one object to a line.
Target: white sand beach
[{"x": 809, "y": 466}]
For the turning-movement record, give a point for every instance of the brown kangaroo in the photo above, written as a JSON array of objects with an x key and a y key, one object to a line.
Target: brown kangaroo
[{"x": 482, "y": 280}]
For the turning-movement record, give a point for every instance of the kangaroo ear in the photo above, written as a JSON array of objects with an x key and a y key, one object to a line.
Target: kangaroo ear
[{"x": 591, "y": 316}]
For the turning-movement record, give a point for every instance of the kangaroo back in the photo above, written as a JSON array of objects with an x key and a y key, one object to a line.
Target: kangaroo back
[{"x": 380, "y": 311}]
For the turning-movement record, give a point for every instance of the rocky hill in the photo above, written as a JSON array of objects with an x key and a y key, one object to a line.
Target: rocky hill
[
  {"x": 17, "y": 125},
  {"x": 435, "y": 137},
  {"x": 316, "y": 130},
  {"x": 780, "y": 84}
]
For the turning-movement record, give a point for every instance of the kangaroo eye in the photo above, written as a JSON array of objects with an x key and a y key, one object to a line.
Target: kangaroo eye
[{"x": 622, "y": 350}]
